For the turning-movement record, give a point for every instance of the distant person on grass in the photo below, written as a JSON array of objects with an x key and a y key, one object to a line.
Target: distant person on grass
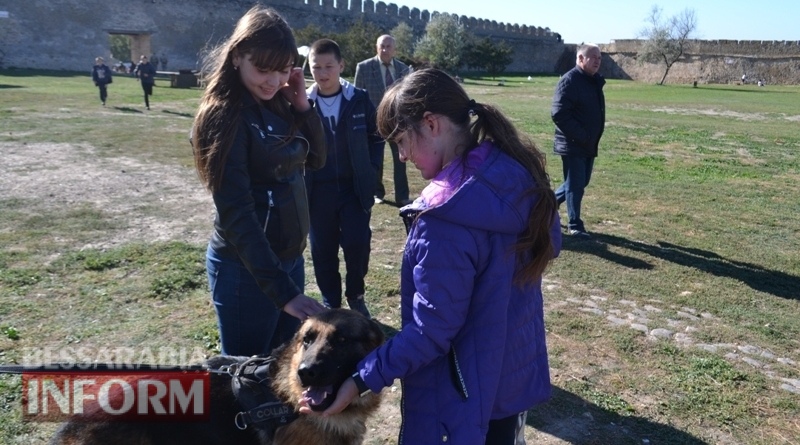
[
  {"x": 579, "y": 112},
  {"x": 101, "y": 75},
  {"x": 341, "y": 194},
  {"x": 471, "y": 351},
  {"x": 254, "y": 136},
  {"x": 146, "y": 73}
]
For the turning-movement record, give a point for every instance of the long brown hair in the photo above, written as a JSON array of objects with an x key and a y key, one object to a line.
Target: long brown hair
[
  {"x": 402, "y": 109},
  {"x": 264, "y": 36}
]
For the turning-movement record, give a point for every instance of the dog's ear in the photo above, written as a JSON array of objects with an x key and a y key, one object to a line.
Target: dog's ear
[{"x": 276, "y": 353}]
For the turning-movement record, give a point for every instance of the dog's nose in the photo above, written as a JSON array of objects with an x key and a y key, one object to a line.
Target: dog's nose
[{"x": 307, "y": 373}]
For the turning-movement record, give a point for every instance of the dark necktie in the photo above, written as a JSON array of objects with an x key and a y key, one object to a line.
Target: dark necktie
[{"x": 389, "y": 80}]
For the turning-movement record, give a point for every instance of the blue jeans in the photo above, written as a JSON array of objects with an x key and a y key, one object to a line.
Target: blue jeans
[
  {"x": 249, "y": 322},
  {"x": 577, "y": 173}
]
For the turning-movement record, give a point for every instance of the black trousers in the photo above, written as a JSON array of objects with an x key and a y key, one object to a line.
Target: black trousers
[
  {"x": 502, "y": 431},
  {"x": 148, "y": 91},
  {"x": 338, "y": 220},
  {"x": 103, "y": 92},
  {"x": 399, "y": 175}
]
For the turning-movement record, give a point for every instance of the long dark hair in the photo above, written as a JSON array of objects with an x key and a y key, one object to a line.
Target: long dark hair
[
  {"x": 264, "y": 36},
  {"x": 434, "y": 91}
]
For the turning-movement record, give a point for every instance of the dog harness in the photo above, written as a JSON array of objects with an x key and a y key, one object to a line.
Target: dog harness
[{"x": 250, "y": 382}]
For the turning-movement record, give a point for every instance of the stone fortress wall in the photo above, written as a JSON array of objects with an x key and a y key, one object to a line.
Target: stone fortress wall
[
  {"x": 749, "y": 48},
  {"x": 69, "y": 34},
  {"x": 710, "y": 61}
]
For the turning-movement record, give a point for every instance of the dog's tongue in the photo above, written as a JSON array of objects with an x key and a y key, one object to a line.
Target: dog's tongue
[{"x": 315, "y": 395}]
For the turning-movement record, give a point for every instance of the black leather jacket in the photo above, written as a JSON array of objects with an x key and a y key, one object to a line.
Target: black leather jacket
[{"x": 262, "y": 206}]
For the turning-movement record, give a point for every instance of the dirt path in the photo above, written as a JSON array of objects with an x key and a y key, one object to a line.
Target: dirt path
[{"x": 151, "y": 202}]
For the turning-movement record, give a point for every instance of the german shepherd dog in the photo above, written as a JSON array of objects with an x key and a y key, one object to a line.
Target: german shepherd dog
[{"x": 311, "y": 366}]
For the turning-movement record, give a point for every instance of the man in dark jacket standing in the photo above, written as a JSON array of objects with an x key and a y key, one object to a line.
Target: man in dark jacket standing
[{"x": 579, "y": 112}]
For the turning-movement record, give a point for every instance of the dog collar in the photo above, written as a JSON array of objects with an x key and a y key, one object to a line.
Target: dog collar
[
  {"x": 251, "y": 386},
  {"x": 274, "y": 414}
]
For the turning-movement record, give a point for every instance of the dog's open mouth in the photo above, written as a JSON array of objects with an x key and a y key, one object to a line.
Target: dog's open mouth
[{"x": 319, "y": 398}]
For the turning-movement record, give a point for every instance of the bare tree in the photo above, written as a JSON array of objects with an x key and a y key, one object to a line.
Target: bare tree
[{"x": 666, "y": 41}]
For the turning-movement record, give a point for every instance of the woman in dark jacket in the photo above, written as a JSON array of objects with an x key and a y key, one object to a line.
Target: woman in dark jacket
[{"x": 254, "y": 135}]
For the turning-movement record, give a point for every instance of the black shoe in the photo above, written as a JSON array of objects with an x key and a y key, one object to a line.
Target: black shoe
[
  {"x": 357, "y": 304},
  {"x": 579, "y": 233}
]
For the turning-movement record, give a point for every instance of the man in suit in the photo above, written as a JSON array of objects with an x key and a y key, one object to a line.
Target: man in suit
[{"x": 376, "y": 75}]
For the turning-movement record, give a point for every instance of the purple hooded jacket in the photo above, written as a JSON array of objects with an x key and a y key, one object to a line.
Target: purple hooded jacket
[{"x": 472, "y": 345}]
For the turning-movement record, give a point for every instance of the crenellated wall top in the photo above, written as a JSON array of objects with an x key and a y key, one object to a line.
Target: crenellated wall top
[{"x": 417, "y": 18}]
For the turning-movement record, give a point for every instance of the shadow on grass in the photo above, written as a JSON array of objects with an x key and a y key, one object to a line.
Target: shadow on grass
[
  {"x": 598, "y": 246},
  {"x": 6, "y": 87},
  {"x": 576, "y": 420},
  {"x": 127, "y": 109},
  {"x": 189, "y": 115},
  {"x": 773, "y": 282}
]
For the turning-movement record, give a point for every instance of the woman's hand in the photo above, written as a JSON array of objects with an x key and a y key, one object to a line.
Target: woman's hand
[
  {"x": 295, "y": 90},
  {"x": 346, "y": 394},
  {"x": 302, "y": 307}
]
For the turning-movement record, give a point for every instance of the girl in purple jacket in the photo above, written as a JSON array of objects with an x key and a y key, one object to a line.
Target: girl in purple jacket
[{"x": 471, "y": 352}]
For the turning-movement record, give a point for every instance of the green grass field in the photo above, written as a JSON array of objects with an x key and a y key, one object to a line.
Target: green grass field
[{"x": 676, "y": 323}]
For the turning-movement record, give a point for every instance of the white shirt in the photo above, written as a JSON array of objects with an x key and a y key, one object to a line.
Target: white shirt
[{"x": 329, "y": 107}]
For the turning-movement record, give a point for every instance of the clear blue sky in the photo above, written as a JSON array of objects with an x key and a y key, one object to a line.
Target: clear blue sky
[{"x": 600, "y": 21}]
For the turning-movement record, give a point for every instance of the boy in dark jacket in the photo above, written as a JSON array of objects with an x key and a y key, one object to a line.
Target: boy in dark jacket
[
  {"x": 341, "y": 194},
  {"x": 101, "y": 75}
]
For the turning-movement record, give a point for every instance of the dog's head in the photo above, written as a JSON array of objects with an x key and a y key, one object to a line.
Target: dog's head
[{"x": 324, "y": 353}]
